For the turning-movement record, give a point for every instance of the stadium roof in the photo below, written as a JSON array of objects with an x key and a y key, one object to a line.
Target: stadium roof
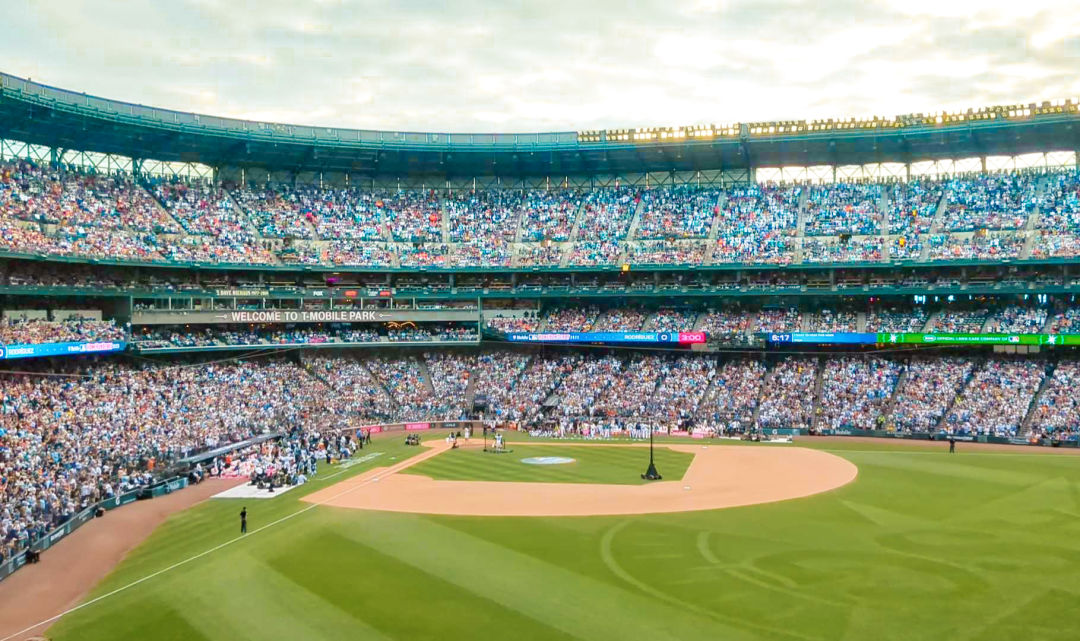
[{"x": 63, "y": 119}]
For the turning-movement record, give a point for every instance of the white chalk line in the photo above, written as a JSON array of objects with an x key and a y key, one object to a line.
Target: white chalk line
[{"x": 393, "y": 469}]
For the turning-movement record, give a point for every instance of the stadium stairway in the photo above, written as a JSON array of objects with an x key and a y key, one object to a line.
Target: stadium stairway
[
  {"x": 159, "y": 205},
  {"x": 900, "y": 380},
  {"x": 939, "y": 218},
  {"x": 804, "y": 198},
  {"x": 445, "y": 220},
  {"x": 931, "y": 321},
  {"x": 714, "y": 229},
  {"x": 1029, "y": 416},
  {"x": 883, "y": 212},
  {"x": 943, "y": 421},
  {"x": 819, "y": 384},
  {"x": 470, "y": 389},
  {"x": 374, "y": 379},
  {"x": 770, "y": 374},
  {"x": 245, "y": 215},
  {"x": 1032, "y": 222},
  {"x": 634, "y": 223},
  {"x": 425, "y": 373},
  {"x": 575, "y": 230}
]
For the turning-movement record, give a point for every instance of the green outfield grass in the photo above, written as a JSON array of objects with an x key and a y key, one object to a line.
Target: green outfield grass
[
  {"x": 923, "y": 545},
  {"x": 592, "y": 464}
]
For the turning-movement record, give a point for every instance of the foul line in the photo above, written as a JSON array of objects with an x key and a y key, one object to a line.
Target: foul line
[{"x": 393, "y": 469}]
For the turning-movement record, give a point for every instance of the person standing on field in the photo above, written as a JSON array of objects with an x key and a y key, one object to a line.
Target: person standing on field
[{"x": 243, "y": 520}]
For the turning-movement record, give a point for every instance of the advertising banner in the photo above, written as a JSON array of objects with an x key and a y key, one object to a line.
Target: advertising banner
[
  {"x": 681, "y": 338},
  {"x": 8, "y": 352},
  {"x": 301, "y": 316},
  {"x": 901, "y": 338},
  {"x": 829, "y": 338},
  {"x": 415, "y": 427}
]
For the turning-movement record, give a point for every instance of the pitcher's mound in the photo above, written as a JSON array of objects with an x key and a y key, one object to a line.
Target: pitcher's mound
[{"x": 718, "y": 477}]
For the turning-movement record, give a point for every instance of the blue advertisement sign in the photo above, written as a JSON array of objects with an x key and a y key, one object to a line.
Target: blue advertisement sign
[
  {"x": 830, "y": 338},
  {"x": 8, "y": 352},
  {"x": 607, "y": 337}
]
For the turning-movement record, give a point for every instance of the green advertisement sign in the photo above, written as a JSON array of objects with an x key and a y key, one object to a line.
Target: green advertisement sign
[{"x": 896, "y": 338}]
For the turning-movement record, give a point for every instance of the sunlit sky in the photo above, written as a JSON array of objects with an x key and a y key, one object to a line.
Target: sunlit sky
[{"x": 548, "y": 66}]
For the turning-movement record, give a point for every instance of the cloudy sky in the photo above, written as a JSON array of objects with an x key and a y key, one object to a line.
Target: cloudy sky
[{"x": 503, "y": 65}]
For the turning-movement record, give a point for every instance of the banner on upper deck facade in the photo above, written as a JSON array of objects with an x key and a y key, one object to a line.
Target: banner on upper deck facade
[
  {"x": 60, "y": 349},
  {"x": 679, "y": 338},
  {"x": 301, "y": 316}
]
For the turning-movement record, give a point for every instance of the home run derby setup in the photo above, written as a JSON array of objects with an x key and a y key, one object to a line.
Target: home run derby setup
[{"x": 781, "y": 380}]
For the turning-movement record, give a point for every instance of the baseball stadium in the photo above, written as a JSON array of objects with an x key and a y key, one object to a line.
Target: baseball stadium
[{"x": 779, "y": 380}]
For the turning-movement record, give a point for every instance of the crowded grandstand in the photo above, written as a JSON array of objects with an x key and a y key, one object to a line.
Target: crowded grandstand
[{"x": 706, "y": 302}]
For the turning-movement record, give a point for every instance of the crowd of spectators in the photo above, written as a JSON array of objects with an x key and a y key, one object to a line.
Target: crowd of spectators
[
  {"x": 545, "y": 254},
  {"x": 844, "y": 208},
  {"x": 778, "y": 320},
  {"x": 356, "y": 390},
  {"x": 73, "y": 437},
  {"x": 548, "y": 215},
  {"x": 591, "y": 253},
  {"x": 451, "y": 374},
  {"x": 606, "y": 215},
  {"x": 413, "y": 216},
  {"x": 996, "y": 399},
  {"x": 1057, "y": 413},
  {"x": 54, "y": 211},
  {"x": 976, "y": 246},
  {"x": 787, "y": 398},
  {"x": 570, "y": 319},
  {"x": 1060, "y": 205},
  {"x": 959, "y": 321},
  {"x": 913, "y": 205},
  {"x": 679, "y": 212},
  {"x": 828, "y": 320},
  {"x": 758, "y": 224},
  {"x": 1017, "y": 319},
  {"x": 897, "y": 320},
  {"x": 584, "y": 385},
  {"x": 734, "y": 395},
  {"x": 680, "y": 392},
  {"x": 824, "y": 249},
  {"x": 855, "y": 392},
  {"x": 523, "y": 398},
  {"x": 670, "y": 320},
  {"x": 928, "y": 386},
  {"x": 20, "y": 331},
  {"x": 620, "y": 319},
  {"x": 657, "y": 252},
  {"x": 725, "y": 325},
  {"x": 1055, "y": 244},
  {"x": 990, "y": 201}
]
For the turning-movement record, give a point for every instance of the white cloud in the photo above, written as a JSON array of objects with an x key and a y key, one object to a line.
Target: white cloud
[{"x": 535, "y": 66}]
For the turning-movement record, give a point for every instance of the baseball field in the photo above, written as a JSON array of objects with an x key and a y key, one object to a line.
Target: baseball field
[{"x": 979, "y": 545}]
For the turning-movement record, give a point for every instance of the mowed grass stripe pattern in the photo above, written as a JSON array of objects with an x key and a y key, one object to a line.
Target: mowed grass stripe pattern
[
  {"x": 592, "y": 464},
  {"x": 923, "y": 545}
]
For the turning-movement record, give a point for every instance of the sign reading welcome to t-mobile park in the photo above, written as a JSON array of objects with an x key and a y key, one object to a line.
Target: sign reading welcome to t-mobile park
[{"x": 247, "y": 316}]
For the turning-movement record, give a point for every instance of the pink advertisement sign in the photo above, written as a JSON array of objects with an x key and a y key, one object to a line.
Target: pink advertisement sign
[{"x": 413, "y": 427}]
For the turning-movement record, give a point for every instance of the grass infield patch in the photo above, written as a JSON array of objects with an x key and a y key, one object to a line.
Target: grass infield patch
[{"x": 592, "y": 464}]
